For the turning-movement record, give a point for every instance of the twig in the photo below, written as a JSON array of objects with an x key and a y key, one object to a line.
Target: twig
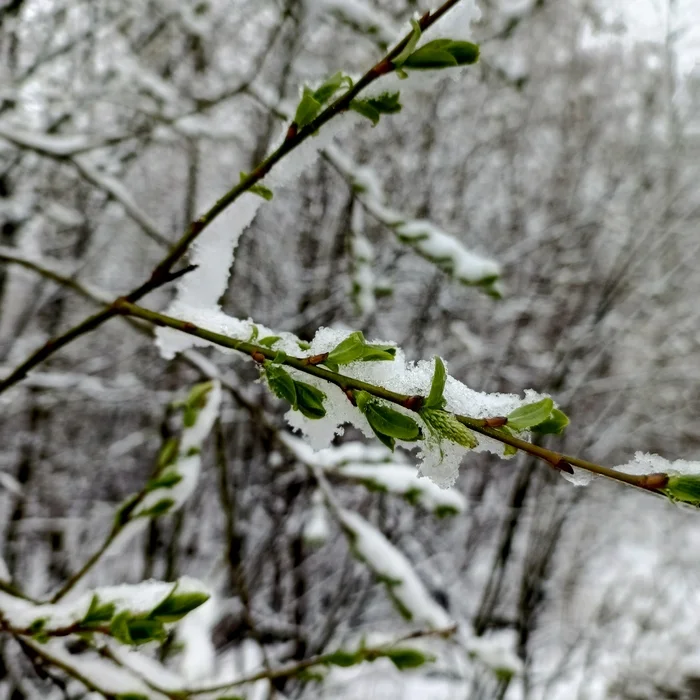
[
  {"x": 162, "y": 272},
  {"x": 649, "y": 482}
]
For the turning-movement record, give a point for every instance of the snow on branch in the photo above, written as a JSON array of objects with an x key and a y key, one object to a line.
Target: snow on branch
[
  {"x": 174, "y": 481},
  {"x": 430, "y": 242},
  {"x": 391, "y": 567}
]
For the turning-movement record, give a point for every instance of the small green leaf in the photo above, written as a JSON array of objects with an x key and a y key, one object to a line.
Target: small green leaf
[
  {"x": 684, "y": 488},
  {"x": 355, "y": 348},
  {"x": 168, "y": 452},
  {"x": 330, "y": 87},
  {"x": 303, "y": 345},
  {"x": 177, "y": 605},
  {"x": 308, "y": 109},
  {"x": 189, "y": 416},
  {"x": 269, "y": 340},
  {"x": 443, "y": 53},
  {"x": 254, "y": 334},
  {"x": 265, "y": 192},
  {"x": 259, "y": 189},
  {"x": 554, "y": 425},
  {"x": 98, "y": 612},
  {"x": 164, "y": 481},
  {"x": 386, "y": 103},
  {"x": 390, "y": 422},
  {"x": 119, "y": 628},
  {"x": 310, "y": 400},
  {"x": 158, "y": 509},
  {"x": 198, "y": 394},
  {"x": 464, "y": 52},
  {"x": 410, "y": 46},
  {"x": 348, "y": 350},
  {"x": 378, "y": 353},
  {"x": 374, "y": 107},
  {"x": 445, "y": 426},
  {"x": 404, "y": 658},
  {"x": 342, "y": 658},
  {"x": 435, "y": 398},
  {"x": 427, "y": 58},
  {"x": 143, "y": 630},
  {"x": 530, "y": 415},
  {"x": 365, "y": 109},
  {"x": 281, "y": 383}
]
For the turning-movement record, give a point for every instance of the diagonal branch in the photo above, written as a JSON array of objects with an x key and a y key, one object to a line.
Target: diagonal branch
[
  {"x": 162, "y": 273},
  {"x": 648, "y": 482}
]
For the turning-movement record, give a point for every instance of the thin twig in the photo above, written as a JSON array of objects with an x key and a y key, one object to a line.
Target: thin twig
[{"x": 162, "y": 272}]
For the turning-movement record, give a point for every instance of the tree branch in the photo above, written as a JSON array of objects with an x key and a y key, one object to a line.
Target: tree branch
[
  {"x": 648, "y": 482},
  {"x": 162, "y": 272}
]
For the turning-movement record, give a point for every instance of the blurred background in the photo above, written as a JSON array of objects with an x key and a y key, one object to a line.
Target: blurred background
[{"x": 570, "y": 154}]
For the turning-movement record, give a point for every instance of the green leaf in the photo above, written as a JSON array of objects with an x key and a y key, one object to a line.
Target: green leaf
[
  {"x": 98, "y": 612},
  {"x": 198, "y": 394},
  {"x": 374, "y": 107},
  {"x": 310, "y": 400},
  {"x": 435, "y": 398},
  {"x": 443, "y": 53},
  {"x": 530, "y": 415},
  {"x": 158, "y": 509},
  {"x": 164, "y": 481},
  {"x": 189, "y": 416},
  {"x": 445, "y": 426},
  {"x": 343, "y": 658},
  {"x": 269, "y": 340},
  {"x": 390, "y": 422},
  {"x": 554, "y": 425},
  {"x": 404, "y": 658},
  {"x": 265, "y": 192},
  {"x": 143, "y": 630},
  {"x": 427, "y": 58},
  {"x": 464, "y": 52},
  {"x": 378, "y": 353},
  {"x": 684, "y": 488},
  {"x": 281, "y": 383},
  {"x": 365, "y": 109},
  {"x": 262, "y": 191},
  {"x": 119, "y": 628},
  {"x": 410, "y": 46},
  {"x": 331, "y": 86},
  {"x": 348, "y": 350},
  {"x": 387, "y": 102},
  {"x": 308, "y": 109},
  {"x": 177, "y": 605},
  {"x": 131, "y": 696},
  {"x": 355, "y": 348},
  {"x": 168, "y": 452}
]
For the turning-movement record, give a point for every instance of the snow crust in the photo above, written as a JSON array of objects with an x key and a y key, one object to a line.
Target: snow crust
[
  {"x": 389, "y": 563},
  {"x": 138, "y": 599},
  {"x": 186, "y": 465},
  {"x": 423, "y": 236},
  {"x": 647, "y": 463},
  {"x": 439, "y": 462}
]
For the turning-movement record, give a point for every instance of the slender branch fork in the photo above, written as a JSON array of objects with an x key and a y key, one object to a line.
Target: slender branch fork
[
  {"x": 485, "y": 426},
  {"x": 163, "y": 272}
]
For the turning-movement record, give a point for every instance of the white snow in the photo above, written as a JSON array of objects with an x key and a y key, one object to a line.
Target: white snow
[
  {"x": 316, "y": 528},
  {"x": 186, "y": 465},
  {"x": 402, "y": 480},
  {"x": 138, "y": 599},
  {"x": 389, "y": 563},
  {"x": 424, "y": 237},
  {"x": 645, "y": 463}
]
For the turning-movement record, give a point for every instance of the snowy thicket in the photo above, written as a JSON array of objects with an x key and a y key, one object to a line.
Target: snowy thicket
[{"x": 558, "y": 173}]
